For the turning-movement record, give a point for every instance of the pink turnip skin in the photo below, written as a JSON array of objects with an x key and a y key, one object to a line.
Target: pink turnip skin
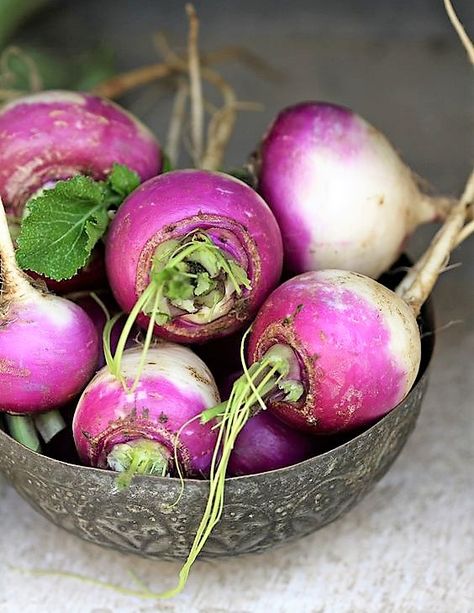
[
  {"x": 341, "y": 194},
  {"x": 171, "y": 206},
  {"x": 174, "y": 387},
  {"x": 48, "y": 352},
  {"x": 48, "y": 345},
  {"x": 357, "y": 344},
  {"x": 56, "y": 135},
  {"x": 266, "y": 443}
]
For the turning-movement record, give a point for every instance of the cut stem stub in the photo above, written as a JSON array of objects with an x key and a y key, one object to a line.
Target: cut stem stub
[
  {"x": 138, "y": 457},
  {"x": 192, "y": 279},
  {"x": 420, "y": 279}
]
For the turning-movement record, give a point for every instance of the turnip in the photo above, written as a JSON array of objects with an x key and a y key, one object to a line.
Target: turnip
[
  {"x": 192, "y": 254},
  {"x": 56, "y": 135},
  {"x": 48, "y": 346},
  {"x": 329, "y": 351},
  {"x": 139, "y": 432},
  {"x": 265, "y": 443},
  {"x": 340, "y": 192},
  {"x": 53, "y": 136}
]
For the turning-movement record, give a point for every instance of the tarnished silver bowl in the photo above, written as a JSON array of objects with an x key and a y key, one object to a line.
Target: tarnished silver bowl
[{"x": 261, "y": 511}]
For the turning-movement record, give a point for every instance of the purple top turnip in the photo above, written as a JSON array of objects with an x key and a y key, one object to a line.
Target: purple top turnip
[
  {"x": 198, "y": 251},
  {"x": 265, "y": 443},
  {"x": 48, "y": 345},
  {"x": 356, "y": 343},
  {"x": 56, "y": 135},
  {"x": 340, "y": 192},
  {"x": 137, "y": 431}
]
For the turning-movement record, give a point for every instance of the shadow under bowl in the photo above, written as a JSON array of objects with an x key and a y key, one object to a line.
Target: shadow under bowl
[{"x": 261, "y": 511}]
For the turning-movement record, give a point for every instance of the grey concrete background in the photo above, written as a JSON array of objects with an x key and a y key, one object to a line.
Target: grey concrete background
[{"x": 408, "y": 546}]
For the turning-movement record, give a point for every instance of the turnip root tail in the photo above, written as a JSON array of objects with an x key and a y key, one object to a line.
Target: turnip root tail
[
  {"x": 438, "y": 207},
  {"x": 189, "y": 72},
  {"x": 418, "y": 283},
  {"x": 13, "y": 281},
  {"x": 461, "y": 32}
]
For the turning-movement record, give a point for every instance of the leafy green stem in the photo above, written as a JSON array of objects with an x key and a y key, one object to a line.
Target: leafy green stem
[
  {"x": 236, "y": 415},
  {"x": 148, "y": 337},
  {"x": 23, "y": 430},
  {"x": 114, "y": 361}
]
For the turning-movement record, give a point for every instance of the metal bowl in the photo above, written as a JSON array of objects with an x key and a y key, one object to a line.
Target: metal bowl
[{"x": 261, "y": 511}]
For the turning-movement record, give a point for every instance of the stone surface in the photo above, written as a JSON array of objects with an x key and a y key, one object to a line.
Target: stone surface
[{"x": 408, "y": 545}]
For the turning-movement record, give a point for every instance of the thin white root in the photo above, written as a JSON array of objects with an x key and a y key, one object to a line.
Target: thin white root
[
  {"x": 446, "y": 326},
  {"x": 457, "y": 25},
  {"x": 411, "y": 287},
  {"x": 178, "y": 116},
  {"x": 418, "y": 283},
  {"x": 412, "y": 272},
  {"x": 221, "y": 124},
  {"x": 465, "y": 232},
  {"x": 123, "y": 83},
  {"x": 197, "y": 108}
]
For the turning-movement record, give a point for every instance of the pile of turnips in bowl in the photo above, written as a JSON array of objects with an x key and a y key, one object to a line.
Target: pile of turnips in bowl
[{"x": 150, "y": 268}]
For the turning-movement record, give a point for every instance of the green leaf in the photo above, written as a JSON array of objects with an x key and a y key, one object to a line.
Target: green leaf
[
  {"x": 63, "y": 224},
  {"x": 122, "y": 180},
  {"x": 61, "y": 227}
]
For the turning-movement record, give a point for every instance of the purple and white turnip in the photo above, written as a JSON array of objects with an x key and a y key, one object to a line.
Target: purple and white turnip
[
  {"x": 191, "y": 255},
  {"x": 55, "y": 135},
  {"x": 39, "y": 334},
  {"x": 139, "y": 431},
  {"x": 266, "y": 443},
  {"x": 340, "y": 192}
]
